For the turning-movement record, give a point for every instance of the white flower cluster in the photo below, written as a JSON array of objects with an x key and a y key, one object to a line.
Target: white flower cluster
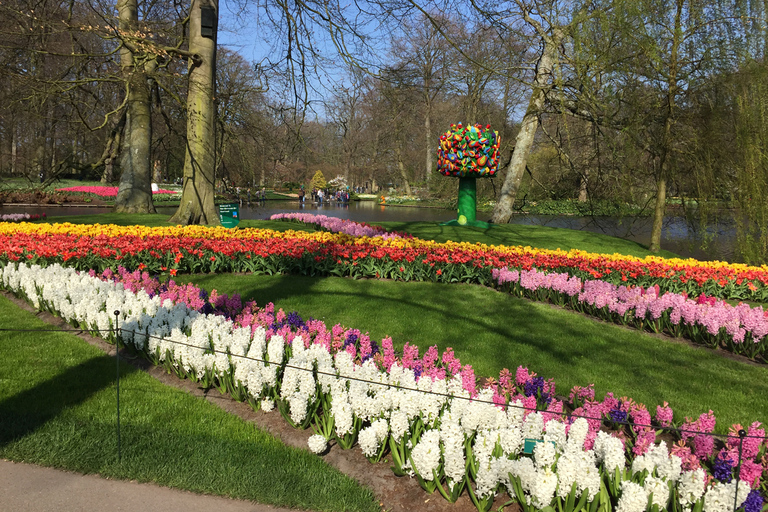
[
  {"x": 375, "y": 404},
  {"x": 721, "y": 497}
]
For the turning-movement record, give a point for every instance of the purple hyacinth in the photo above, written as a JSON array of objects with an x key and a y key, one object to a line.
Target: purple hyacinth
[
  {"x": 417, "y": 369},
  {"x": 754, "y": 502},
  {"x": 294, "y": 320},
  {"x": 722, "y": 470},
  {"x": 617, "y": 415},
  {"x": 534, "y": 386},
  {"x": 351, "y": 339}
]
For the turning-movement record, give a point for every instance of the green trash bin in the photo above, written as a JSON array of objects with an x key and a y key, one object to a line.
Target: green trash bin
[{"x": 229, "y": 215}]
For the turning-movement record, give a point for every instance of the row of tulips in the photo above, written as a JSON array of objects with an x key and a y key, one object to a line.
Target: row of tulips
[
  {"x": 512, "y": 435},
  {"x": 709, "y": 321},
  {"x": 202, "y": 249}
]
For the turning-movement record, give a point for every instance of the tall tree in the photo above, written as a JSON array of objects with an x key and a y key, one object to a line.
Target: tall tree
[
  {"x": 551, "y": 34},
  {"x": 197, "y": 197},
  {"x": 134, "y": 194}
]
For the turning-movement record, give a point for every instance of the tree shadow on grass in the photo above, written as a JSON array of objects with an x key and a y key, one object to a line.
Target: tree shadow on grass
[
  {"x": 552, "y": 342},
  {"x": 25, "y": 412}
]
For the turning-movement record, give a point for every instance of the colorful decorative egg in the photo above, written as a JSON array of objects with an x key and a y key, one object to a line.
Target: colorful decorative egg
[{"x": 468, "y": 151}]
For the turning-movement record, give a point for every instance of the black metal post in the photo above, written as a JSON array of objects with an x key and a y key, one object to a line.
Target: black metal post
[
  {"x": 742, "y": 435},
  {"x": 117, "y": 358}
]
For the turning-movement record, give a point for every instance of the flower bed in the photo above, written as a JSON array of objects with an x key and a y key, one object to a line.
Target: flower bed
[
  {"x": 103, "y": 191},
  {"x": 394, "y": 258},
  {"x": 336, "y": 225},
  {"x": 20, "y": 217},
  {"x": 425, "y": 412},
  {"x": 198, "y": 249},
  {"x": 709, "y": 321}
]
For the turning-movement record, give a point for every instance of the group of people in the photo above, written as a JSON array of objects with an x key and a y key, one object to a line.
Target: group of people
[
  {"x": 323, "y": 195},
  {"x": 260, "y": 195}
]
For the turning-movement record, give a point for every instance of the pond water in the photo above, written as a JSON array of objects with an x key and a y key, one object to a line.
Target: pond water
[{"x": 678, "y": 235}]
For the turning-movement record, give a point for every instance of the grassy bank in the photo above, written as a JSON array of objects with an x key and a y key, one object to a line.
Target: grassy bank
[
  {"x": 57, "y": 408},
  {"x": 491, "y": 330}
]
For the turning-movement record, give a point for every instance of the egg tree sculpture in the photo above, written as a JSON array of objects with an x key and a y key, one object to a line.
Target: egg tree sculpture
[{"x": 468, "y": 153}]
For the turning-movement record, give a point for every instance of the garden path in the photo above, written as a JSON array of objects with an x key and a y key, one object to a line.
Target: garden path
[{"x": 29, "y": 488}]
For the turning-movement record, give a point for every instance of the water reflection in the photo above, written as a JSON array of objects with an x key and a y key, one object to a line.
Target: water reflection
[{"x": 678, "y": 236}]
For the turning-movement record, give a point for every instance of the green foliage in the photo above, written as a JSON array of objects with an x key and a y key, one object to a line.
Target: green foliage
[
  {"x": 318, "y": 180},
  {"x": 573, "y": 207},
  {"x": 752, "y": 173}
]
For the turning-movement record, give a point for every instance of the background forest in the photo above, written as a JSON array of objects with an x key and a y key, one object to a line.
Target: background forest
[{"x": 640, "y": 104}]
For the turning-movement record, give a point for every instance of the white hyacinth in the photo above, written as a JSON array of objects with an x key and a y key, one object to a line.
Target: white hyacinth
[
  {"x": 577, "y": 434},
  {"x": 426, "y": 454},
  {"x": 634, "y": 497},
  {"x": 609, "y": 451},
  {"x": 399, "y": 425},
  {"x": 533, "y": 426},
  {"x": 555, "y": 433},
  {"x": 317, "y": 443},
  {"x": 452, "y": 437},
  {"x": 544, "y": 455},
  {"x": 659, "y": 489},
  {"x": 690, "y": 487},
  {"x": 578, "y": 467},
  {"x": 371, "y": 437},
  {"x": 657, "y": 459},
  {"x": 720, "y": 497}
]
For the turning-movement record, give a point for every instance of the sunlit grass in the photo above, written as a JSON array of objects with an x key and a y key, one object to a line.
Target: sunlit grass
[
  {"x": 58, "y": 408},
  {"x": 491, "y": 330}
]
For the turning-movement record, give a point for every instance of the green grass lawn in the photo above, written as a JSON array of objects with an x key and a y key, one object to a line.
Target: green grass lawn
[{"x": 58, "y": 408}]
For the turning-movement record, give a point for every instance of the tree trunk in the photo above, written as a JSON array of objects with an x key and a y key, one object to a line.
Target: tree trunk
[
  {"x": 658, "y": 215},
  {"x": 14, "y": 149},
  {"x": 666, "y": 149},
  {"x": 401, "y": 168},
  {"x": 134, "y": 194},
  {"x": 583, "y": 179},
  {"x": 524, "y": 140},
  {"x": 430, "y": 149},
  {"x": 197, "y": 197}
]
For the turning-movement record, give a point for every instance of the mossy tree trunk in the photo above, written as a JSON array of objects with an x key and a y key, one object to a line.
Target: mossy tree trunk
[
  {"x": 197, "y": 197},
  {"x": 134, "y": 193}
]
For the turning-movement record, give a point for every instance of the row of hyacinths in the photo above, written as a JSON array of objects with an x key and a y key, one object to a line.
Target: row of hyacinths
[
  {"x": 337, "y": 225},
  {"x": 426, "y": 412},
  {"x": 709, "y": 321}
]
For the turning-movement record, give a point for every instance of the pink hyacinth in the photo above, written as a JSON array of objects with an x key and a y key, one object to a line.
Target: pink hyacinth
[
  {"x": 750, "y": 446},
  {"x": 451, "y": 362},
  {"x": 388, "y": 351},
  {"x": 529, "y": 403},
  {"x": 410, "y": 355},
  {"x": 664, "y": 415},
  {"x": 522, "y": 375},
  {"x": 468, "y": 380},
  {"x": 581, "y": 394}
]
